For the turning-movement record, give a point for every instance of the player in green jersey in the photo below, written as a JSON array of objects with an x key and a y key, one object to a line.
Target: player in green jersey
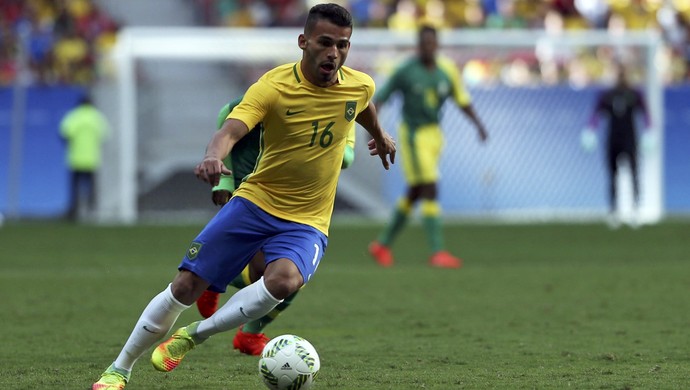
[
  {"x": 249, "y": 338},
  {"x": 425, "y": 82}
]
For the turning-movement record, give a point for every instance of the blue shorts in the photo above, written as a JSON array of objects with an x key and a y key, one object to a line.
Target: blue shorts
[{"x": 238, "y": 231}]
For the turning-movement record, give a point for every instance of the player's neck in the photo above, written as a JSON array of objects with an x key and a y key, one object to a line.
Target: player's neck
[
  {"x": 429, "y": 63},
  {"x": 314, "y": 80}
]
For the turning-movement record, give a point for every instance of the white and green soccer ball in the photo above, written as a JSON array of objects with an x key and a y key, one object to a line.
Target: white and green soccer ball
[{"x": 289, "y": 362}]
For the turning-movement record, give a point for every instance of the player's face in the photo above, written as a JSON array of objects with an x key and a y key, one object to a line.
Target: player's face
[
  {"x": 427, "y": 46},
  {"x": 324, "y": 52}
]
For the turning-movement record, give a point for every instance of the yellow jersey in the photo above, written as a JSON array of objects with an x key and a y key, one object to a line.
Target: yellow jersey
[{"x": 305, "y": 130}]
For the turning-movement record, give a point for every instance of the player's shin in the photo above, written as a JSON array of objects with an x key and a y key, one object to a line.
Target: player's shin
[
  {"x": 396, "y": 223},
  {"x": 154, "y": 323},
  {"x": 431, "y": 217},
  {"x": 257, "y": 326},
  {"x": 245, "y": 305}
]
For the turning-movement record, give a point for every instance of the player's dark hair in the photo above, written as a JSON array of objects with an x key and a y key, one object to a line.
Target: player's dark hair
[{"x": 331, "y": 12}]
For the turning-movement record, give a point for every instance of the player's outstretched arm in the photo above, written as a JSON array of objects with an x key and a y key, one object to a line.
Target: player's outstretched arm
[
  {"x": 211, "y": 167},
  {"x": 481, "y": 130},
  {"x": 384, "y": 143}
]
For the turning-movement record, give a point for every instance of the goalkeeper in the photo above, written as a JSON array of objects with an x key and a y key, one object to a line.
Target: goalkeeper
[
  {"x": 620, "y": 103},
  {"x": 249, "y": 338}
]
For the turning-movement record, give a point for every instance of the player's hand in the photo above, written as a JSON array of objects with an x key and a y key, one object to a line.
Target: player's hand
[
  {"x": 649, "y": 142},
  {"x": 483, "y": 134},
  {"x": 588, "y": 140},
  {"x": 210, "y": 169},
  {"x": 384, "y": 148},
  {"x": 220, "y": 197},
  {"x": 372, "y": 147}
]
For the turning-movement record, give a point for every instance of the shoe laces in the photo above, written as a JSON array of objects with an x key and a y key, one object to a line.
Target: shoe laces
[
  {"x": 112, "y": 378},
  {"x": 180, "y": 348}
]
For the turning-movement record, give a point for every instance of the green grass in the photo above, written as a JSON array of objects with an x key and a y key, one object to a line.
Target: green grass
[{"x": 535, "y": 307}]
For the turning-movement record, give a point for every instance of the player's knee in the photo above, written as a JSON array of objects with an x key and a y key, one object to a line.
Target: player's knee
[
  {"x": 282, "y": 279},
  {"x": 187, "y": 287},
  {"x": 282, "y": 287}
]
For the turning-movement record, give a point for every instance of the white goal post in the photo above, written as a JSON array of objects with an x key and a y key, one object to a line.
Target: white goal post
[{"x": 248, "y": 46}]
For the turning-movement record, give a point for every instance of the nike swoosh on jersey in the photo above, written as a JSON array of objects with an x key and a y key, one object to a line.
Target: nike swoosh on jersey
[{"x": 291, "y": 113}]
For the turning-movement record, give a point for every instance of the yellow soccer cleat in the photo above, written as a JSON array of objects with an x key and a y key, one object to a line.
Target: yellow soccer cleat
[
  {"x": 111, "y": 380},
  {"x": 171, "y": 352}
]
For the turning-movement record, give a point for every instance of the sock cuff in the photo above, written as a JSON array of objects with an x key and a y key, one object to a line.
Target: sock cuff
[
  {"x": 430, "y": 208},
  {"x": 264, "y": 294},
  {"x": 404, "y": 205},
  {"x": 125, "y": 373},
  {"x": 172, "y": 302}
]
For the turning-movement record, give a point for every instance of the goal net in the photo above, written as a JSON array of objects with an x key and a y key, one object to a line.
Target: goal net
[{"x": 533, "y": 90}]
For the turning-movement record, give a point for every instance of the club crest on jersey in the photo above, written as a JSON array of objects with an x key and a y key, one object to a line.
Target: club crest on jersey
[
  {"x": 350, "y": 110},
  {"x": 193, "y": 250}
]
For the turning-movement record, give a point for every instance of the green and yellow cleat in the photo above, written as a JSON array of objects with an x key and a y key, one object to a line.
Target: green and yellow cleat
[
  {"x": 171, "y": 352},
  {"x": 111, "y": 379}
]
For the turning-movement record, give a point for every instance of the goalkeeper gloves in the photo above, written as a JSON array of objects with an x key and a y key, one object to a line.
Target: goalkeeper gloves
[
  {"x": 588, "y": 140},
  {"x": 648, "y": 142}
]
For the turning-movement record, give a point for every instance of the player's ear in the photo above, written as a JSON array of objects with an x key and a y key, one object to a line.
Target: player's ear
[{"x": 302, "y": 41}]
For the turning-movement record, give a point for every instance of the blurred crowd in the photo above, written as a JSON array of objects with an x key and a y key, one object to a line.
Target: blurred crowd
[
  {"x": 53, "y": 42},
  {"x": 670, "y": 17},
  {"x": 61, "y": 41},
  {"x": 405, "y": 14}
]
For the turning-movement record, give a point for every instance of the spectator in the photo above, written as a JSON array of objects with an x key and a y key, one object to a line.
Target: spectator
[{"x": 72, "y": 59}]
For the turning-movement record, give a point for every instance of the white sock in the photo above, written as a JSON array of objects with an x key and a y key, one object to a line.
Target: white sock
[
  {"x": 249, "y": 303},
  {"x": 155, "y": 322}
]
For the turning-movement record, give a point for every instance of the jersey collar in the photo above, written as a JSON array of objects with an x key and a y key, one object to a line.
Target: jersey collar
[{"x": 299, "y": 76}]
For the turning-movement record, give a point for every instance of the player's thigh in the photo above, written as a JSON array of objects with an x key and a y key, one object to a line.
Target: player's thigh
[
  {"x": 299, "y": 243},
  {"x": 225, "y": 245},
  {"x": 423, "y": 153},
  {"x": 256, "y": 267}
]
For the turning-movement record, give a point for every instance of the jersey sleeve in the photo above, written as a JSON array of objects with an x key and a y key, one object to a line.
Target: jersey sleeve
[
  {"x": 222, "y": 115},
  {"x": 227, "y": 182},
  {"x": 460, "y": 94},
  {"x": 391, "y": 85},
  {"x": 370, "y": 88},
  {"x": 256, "y": 103},
  {"x": 65, "y": 125}
]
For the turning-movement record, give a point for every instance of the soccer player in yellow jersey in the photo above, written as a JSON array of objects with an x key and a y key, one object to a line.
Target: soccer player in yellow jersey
[
  {"x": 283, "y": 208},
  {"x": 425, "y": 82},
  {"x": 250, "y": 338}
]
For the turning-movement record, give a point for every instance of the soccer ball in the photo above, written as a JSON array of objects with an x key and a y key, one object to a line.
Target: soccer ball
[{"x": 289, "y": 362}]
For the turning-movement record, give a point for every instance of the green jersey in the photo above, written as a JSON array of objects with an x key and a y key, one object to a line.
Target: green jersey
[
  {"x": 424, "y": 90},
  {"x": 242, "y": 159}
]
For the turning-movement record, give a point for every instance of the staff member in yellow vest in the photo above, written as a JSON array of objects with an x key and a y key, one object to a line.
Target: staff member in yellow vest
[{"x": 84, "y": 128}]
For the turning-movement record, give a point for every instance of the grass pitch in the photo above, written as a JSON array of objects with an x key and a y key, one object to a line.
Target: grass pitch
[{"x": 535, "y": 307}]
